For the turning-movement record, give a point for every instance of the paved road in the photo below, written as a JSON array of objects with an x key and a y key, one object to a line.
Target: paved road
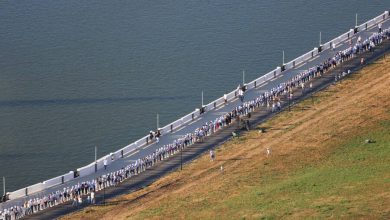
[{"x": 190, "y": 153}]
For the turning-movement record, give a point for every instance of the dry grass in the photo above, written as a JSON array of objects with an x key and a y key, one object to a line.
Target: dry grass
[{"x": 319, "y": 167}]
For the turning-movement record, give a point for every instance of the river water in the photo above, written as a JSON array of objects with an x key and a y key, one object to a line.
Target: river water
[{"x": 79, "y": 74}]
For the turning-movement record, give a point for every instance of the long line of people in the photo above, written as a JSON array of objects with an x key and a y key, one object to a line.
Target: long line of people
[{"x": 84, "y": 192}]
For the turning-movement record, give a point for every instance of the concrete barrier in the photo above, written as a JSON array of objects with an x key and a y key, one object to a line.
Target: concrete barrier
[
  {"x": 371, "y": 23},
  {"x": 289, "y": 65},
  {"x": 69, "y": 176},
  {"x": 17, "y": 194},
  {"x": 210, "y": 106},
  {"x": 187, "y": 118},
  {"x": 220, "y": 101},
  {"x": 129, "y": 148},
  {"x": 52, "y": 182},
  {"x": 315, "y": 51},
  {"x": 86, "y": 170},
  {"x": 231, "y": 95},
  {"x": 176, "y": 124},
  {"x": 35, "y": 188},
  {"x": 117, "y": 154}
]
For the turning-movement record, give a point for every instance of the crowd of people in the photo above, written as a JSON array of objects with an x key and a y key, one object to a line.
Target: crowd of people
[{"x": 84, "y": 192}]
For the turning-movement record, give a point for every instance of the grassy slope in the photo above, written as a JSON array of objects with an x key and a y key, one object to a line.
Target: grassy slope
[{"x": 320, "y": 165}]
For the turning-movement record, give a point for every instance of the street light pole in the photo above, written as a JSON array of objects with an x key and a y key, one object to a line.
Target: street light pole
[
  {"x": 356, "y": 20},
  {"x": 320, "y": 38},
  {"x": 283, "y": 57},
  {"x": 158, "y": 121},
  {"x": 95, "y": 158},
  {"x": 4, "y": 185},
  {"x": 202, "y": 98},
  {"x": 243, "y": 77}
]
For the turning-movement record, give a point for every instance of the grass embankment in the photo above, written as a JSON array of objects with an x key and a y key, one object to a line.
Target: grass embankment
[{"x": 320, "y": 166}]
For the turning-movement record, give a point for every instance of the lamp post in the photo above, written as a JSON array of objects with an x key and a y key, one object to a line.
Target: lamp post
[
  {"x": 158, "y": 121},
  {"x": 4, "y": 185},
  {"x": 243, "y": 77},
  {"x": 320, "y": 38},
  {"x": 202, "y": 98},
  {"x": 95, "y": 159},
  {"x": 356, "y": 20}
]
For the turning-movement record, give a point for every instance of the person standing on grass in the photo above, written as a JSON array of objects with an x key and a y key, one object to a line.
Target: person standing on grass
[
  {"x": 268, "y": 152},
  {"x": 212, "y": 155}
]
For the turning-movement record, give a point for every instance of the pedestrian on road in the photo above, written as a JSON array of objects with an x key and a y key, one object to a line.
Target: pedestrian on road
[
  {"x": 105, "y": 163},
  {"x": 92, "y": 197}
]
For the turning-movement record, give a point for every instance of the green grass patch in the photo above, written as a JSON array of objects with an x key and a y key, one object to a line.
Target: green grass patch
[{"x": 351, "y": 182}]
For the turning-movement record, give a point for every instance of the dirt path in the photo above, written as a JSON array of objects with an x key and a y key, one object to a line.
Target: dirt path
[{"x": 306, "y": 135}]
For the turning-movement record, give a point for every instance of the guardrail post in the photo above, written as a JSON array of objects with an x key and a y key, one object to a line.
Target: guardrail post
[
  {"x": 192, "y": 116},
  {"x": 62, "y": 179},
  {"x": 255, "y": 84},
  {"x": 293, "y": 63},
  {"x": 171, "y": 127},
  {"x": 122, "y": 153},
  {"x": 235, "y": 94},
  {"x": 26, "y": 191},
  {"x": 215, "y": 104},
  {"x": 366, "y": 26}
]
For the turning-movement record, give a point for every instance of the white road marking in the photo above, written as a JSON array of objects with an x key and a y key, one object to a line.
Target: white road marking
[
  {"x": 195, "y": 121},
  {"x": 233, "y": 100},
  {"x": 147, "y": 146},
  {"x": 219, "y": 107},
  {"x": 300, "y": 65},
  {"x": 182, "y": 127},
  {"x": 133, "y": 153}
]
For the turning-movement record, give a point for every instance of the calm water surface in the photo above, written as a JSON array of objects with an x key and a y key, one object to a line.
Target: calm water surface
[{"x": 75, "y": 74}]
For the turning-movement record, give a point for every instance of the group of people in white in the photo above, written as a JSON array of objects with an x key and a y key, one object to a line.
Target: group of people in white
[{"x": 84, "y": 192}]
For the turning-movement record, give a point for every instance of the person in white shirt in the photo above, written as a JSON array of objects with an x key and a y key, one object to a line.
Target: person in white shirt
[
  {"x": 92, "y": 197},
  {"x": 212, "y": 155},
  {"x": 268, "y": 152},
  {"x": 105, "y": 163}
]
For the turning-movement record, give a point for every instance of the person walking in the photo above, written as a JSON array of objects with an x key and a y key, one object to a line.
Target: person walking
[
  {"x": 93, "y": 197},
  {"x": 105, "y": 163}
]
